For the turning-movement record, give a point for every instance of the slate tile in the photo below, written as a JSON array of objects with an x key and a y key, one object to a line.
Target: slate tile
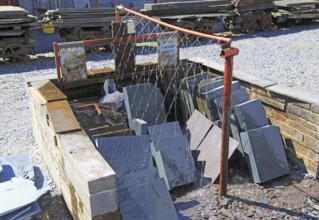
[
  {"x": 264, "y": 153},
  {"x": 163, "y": 131},
  {"x": 146, "y": 102},
  {"x": 251, "y": 115}
]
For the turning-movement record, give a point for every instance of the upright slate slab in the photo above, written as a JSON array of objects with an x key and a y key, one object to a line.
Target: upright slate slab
[
  {"x": 126, "y": 154},
  {"x": 196, "y": 129},
  {"x": 209, "y": 97},
  {"x": 175, "y": 162},
  {"x": 164, "y": 131},
  {"x": 16, "y": 166},
  {"x": 190, "y": 84},
  {"x": 146, "y": 102},
  {"x": 143, "y": 195},
  {"x": 264, "y": 153},
  {"x": 238, "y": 97},
  {"x": 209, "y": 153},
  {"x": 251, "y": 115}
]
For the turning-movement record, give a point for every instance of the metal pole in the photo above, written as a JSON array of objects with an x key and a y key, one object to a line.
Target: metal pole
[
  {"x": 57, "y": 62},
  {"x": 117, "y": 14},
  {"x": 228, "y": 53}
]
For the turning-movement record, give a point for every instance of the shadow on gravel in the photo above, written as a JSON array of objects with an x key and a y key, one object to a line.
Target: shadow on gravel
[
  {"x": 273, "y": 208},
  {"x": 182, "y": 206}
]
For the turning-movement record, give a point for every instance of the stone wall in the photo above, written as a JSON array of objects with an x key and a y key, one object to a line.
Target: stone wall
[
  {"x": 295, "y": 112},
  {"x": 85, "y": 179}
]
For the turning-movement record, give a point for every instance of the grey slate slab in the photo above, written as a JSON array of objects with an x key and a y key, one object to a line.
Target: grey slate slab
[
  {"x": 126, "y": 154},
  {"x": 146, "y": 102},
  {"x": 16, "y": 166},
  {"x": 26, "y": 213},
  {"x": 209, "y": 152},
  {"x": 264, "y": 153},
  {"x": 109, "y": 86},
  {"x": 176, "y": 160},
  {"x": 210, "y": 84},
  {"x": 238, "y": 97},
  {"x": 144, "y": 196},
  {"x": 209, "y": 97},
  {"x": 163, "y": 131},
  {"x": 251, "y": 115},
  {"x": 196, "y": 129},
  {"x": 190, "y": 84},
  {"x": 139, "y": 126}
]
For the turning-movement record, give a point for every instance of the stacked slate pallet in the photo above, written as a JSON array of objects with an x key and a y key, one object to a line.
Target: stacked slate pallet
[
  {"x": 185, "y": 8},
  {"x": 298, "y": 9},
  {"x": 15, "y": 21},
  {"x": 84, "y": 17},
  {"x": 251, "y": 5},
  {"x": 258, "y": 142}
]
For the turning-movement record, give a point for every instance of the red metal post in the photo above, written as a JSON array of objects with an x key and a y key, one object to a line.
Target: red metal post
[
  {"x": 57, "y": 61},
  {"x": 228, "y": 54},
  {"x": 117, "y": 14}
]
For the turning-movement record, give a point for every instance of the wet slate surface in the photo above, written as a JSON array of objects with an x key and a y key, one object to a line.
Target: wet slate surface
[
  {"x": 146, "y": 102},
  {"x": 264, "y": 153},
  {"x": 177, "y": 161},
  {"x": 164, "y": 131},
  {"x": 251, "y": 115}
]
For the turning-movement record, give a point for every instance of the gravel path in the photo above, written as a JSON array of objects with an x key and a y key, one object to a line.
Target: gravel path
[{"x": 289, "y": 59}]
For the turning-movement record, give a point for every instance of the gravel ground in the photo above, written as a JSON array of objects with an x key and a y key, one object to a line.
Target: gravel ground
[{"x": 288, "y": 57}]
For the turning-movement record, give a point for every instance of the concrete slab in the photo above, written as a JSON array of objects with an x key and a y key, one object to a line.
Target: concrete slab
[
  {"x": 126, "y": 154},
  {"x": 209, "y": 152},
  {"x": 163, "y": 131},
  {"x": 196, "y": 129},
  {"x": 251, "y": 115},
  {"x": 238, "y": 97},
  {"x": 146, "y": 102},
  {"x": 264, "y": 153},
  {"x": 176, "y": 160}
]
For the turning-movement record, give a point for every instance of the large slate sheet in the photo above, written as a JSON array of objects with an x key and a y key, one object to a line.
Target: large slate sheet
[
  {"x": 251, "y": 115},
  {"x": 174, "y": 161},
  {"x": 164, "y": 131},
  {"x": 264, "y": 153},
  {"x": 146, "y": 102}
]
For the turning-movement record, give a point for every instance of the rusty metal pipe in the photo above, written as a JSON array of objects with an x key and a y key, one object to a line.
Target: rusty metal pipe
[
  {"x": 117, "y": 14},
  {"x": 228, "y": 53},
  {"x": 212, "y": 37}
]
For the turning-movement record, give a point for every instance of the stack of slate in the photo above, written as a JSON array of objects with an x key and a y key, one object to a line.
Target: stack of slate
[
  {"x": 189, "y": 7},
  {"x": 84, "y": 17},
  {"x": 19, "y": 188},
  {"x": 189, "y": 86},
  {"x": 205, "y": 143},
  {"x": 142, "y": 193},
  {"x": 295, "y": 8},
  {"x": 172, "y": 154},
  {"x": 262, "y": 144},
  {"x": 15, "y": 21},
  {"x": 144, "y": 106},
  {"x": 249, "y": 5}
]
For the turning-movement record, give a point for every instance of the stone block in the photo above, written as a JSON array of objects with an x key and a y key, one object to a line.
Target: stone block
[
  {"x": 145, "y": 101},
  {"x": 196, "y": 129},
  {"x": 164, "y": 131},
  {"x": 264, "y": 153},
  {"x": 126, "y": 154},
  {"x": 303, "y": 113},
  {"x": 139, "y": 126},
  {"x": 94, "y": 172},
  {"x": 289, "y": 130},
  {"x": 251, "y": 115},
  {"x": 315, "y": 108},
  {"x": 210, "y": 150},
  {"x": 269, "y": 101},
  {"x": 238, "y": 97},
  {"x": 177, "y": 161}
]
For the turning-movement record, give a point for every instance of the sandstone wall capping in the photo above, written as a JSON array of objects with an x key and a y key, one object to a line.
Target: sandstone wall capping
[
  {"x": 85, "y": 179},
  {"x": 295, "y": 112}
]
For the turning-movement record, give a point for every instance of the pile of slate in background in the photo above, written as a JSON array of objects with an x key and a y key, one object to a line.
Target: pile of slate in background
[
  {"x": 20, "y": 188},
  {"x": 260, "y": 144}
]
